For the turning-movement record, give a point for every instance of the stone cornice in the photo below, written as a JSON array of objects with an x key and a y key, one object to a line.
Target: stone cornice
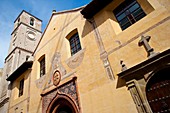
[
  {"x": 157, "y": 62},
  {"x": 25, "y": 25},
  {"x": 4, "y": 101},
  {"x": 15, "y": 49},
  {"x": 20, "y": 70}
]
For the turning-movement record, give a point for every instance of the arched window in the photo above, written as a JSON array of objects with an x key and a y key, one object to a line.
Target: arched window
[
  {"x": 158, "y": 91},
  {"x": 32, "y": 21}
]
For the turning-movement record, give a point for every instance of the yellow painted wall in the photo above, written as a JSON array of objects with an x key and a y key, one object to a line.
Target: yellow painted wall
[
  {"x": 97, "y": 93},
  {"x": 20, "y": 104}
]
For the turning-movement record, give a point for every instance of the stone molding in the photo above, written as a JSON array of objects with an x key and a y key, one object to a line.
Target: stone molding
[
  {"x": 4, "y": 101},
  {"x": 132, "y": 87},
  {"x": 103, "y": 53},
  {"x": 106, "y": 63}
]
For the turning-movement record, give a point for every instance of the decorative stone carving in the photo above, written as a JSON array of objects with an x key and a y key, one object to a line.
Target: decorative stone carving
[
  {"x": 109, "y": 72},
  {"x": 57, "y": 65},
  {"x": 40, "y": 82},
  {"x": 103, "y": 56},
  {"x": 106, "y": 63},
  {"x": 136, "y": 97},
  {"x": 56, "y": 77},
  {"x": 69, "y": 88},
  {"x": 47, "y": 99},
  {"x": 75, "y": 60}
]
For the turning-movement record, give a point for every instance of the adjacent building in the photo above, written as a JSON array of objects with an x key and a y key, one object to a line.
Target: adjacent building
[
  {"x": 24, "y": 39},
  {"x": 108, "y": 56}
]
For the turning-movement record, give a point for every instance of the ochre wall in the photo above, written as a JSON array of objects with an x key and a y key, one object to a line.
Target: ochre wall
[{"x": 97, "y": 93}]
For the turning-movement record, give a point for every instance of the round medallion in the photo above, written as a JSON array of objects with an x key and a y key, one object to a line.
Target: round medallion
[
  {"x": 31, "y": 35},
  {"x": 56, "y": 78}
]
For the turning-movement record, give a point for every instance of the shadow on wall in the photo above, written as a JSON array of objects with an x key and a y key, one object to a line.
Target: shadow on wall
[
  {"x": 87, "y": 28},
  {"x": 107, "y": 15},
  {"x": 25, "y": 76}
]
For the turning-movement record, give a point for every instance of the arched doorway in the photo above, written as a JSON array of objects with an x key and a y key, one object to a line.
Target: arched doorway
[
  {"x": 158, "y": 91},
  {"x": 64, "y": 109},
  {"x": 62, "y": 104}
]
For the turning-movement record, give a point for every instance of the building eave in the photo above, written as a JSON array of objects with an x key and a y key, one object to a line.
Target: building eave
[
  {"x": 94, "y": 7},
  {"x": 9, "y": 54},
  {"x": 19, "y": 71}
]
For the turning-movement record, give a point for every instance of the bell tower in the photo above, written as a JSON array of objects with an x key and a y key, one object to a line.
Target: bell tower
[{"x": 24, "y": 39}]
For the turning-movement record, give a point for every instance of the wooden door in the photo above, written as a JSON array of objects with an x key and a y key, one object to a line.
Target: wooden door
[{"x": 158, "y": 92}]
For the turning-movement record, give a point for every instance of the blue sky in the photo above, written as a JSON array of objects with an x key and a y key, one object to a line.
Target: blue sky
[{"x": 10, "y": 9}]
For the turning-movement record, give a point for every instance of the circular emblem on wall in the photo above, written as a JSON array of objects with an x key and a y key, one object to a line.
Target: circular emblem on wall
[
  {"x": 56, "y": 77},
  {"x": 31, "y": 35}
]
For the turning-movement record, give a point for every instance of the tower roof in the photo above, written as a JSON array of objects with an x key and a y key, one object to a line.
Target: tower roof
[{"x": 27, "y": 13}]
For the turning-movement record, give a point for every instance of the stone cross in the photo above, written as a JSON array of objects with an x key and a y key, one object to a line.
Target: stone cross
[{"x": 144, "y": 41}]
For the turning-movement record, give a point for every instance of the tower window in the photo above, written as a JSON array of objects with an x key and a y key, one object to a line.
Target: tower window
[
  {"x": 27, "y": 57},
  {"x": 75, "y": 45},
  {"x": 42, "y": 66},
  {"x": 32, "y": 21},
  {"x": 21, "y": 87},
  {"x": 18, "y": 19},
  {"x": 128, "y": 12}
]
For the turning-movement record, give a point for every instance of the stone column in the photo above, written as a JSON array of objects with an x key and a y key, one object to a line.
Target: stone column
[{"x": 136, "y": 96}]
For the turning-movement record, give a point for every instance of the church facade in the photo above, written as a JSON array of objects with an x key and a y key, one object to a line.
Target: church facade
[{"x": 107, "y": 56}]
